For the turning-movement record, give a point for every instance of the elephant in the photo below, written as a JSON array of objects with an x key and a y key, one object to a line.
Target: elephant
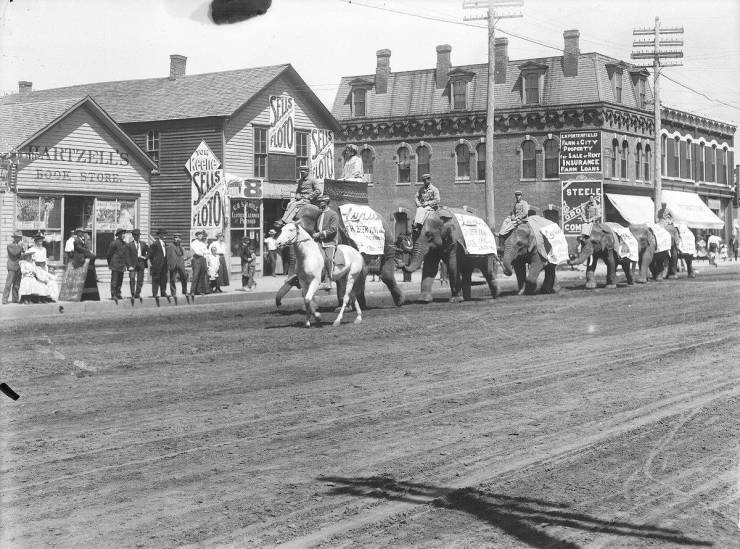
[
  {"x": 520, "y": 250},
  {"x": 665, "y": 264},
  {"x": 441, "y": 239},
  {"x": 601, "y": 245}
]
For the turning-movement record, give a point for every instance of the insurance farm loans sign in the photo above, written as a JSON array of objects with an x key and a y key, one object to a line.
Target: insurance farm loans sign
[
  {"x": 580, "y": 152},
  {"x": 208, "y": 191}
]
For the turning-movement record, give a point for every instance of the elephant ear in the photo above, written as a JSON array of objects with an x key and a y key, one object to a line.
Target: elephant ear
[{"x": 532, "y": 239}]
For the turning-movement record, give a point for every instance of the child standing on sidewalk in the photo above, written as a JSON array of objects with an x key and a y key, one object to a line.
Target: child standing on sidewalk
[{"x": 214, "y": 263}]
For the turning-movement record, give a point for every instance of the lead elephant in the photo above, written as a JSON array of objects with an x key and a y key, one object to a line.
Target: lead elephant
[
  {"x": 665, "y": 264},
  {"x": 440, "y": 239},
  {"x": 520, "y": 250}
]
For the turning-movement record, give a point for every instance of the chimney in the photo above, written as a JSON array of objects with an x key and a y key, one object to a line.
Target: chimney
[
  {"x": 177, "y": 66},
  {"x": 443, "y": 64},
  {"x": 501, "y": 49},
  {"x": 24, "y": 86},
  {"x": 382, "y": 71},
  {"x": 571, "y": 52}
]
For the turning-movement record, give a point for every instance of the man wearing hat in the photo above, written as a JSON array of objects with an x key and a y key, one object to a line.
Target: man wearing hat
[
  {"x": 427, "y": 200},
  {"x": 665, "y": 215},
  {"x": 327, "y": 229},
  {"x": 353, "y": 168},
  {"x": 157, "y": 257},
  {"x": 176, "y": 266},
  {"x": 13, "y": 278},
  {"x": 307, "y": 190},
  {"x": 199, "y": 249},
  {"x": 138, "y": 252},
  {"x": 118, "y": 263},
  {"x": 271, "y": 245},
  {"x": 520, "y": 211}
]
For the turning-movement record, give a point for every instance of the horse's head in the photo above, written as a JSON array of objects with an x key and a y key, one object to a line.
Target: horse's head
[{"x": 288, "y": 235}]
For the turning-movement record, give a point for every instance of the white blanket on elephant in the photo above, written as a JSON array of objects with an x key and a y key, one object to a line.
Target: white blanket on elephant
[
  {"x": 365, "y": 227},
  {"x": 477, "y": 235},
  {"x": 687, "y": 242},
  {"x": 662, "y": 237},
  {"x": 627, "y": 246},
  {"x": 551, "y": 243}
]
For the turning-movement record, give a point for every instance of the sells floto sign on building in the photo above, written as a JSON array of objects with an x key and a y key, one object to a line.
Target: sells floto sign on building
[
  {"x": 208, "y": 191},
  {"x": 281, "y": 133},
  {"x": 580, "y": 152},
  {"x": 321, "y": 148}
]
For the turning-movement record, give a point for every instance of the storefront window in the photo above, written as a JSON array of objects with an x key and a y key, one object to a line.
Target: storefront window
[
  {"x": 41, "y": 214},
  {"x": 245, "y": 221},
  {"x": 112, "y": 214}
]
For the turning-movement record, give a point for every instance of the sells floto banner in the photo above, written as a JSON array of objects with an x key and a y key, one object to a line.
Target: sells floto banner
[
  {"x": 365, "y": 227},
  {"x": 321, "y": 149},
  {"x": 281, "y": 133},
  {"x": 208, "y": 191}
]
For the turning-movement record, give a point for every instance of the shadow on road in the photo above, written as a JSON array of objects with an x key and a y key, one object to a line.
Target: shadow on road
[{"x": 516, "y": 516}]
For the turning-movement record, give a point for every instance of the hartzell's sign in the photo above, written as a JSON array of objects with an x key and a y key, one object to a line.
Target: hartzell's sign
[
  {"x": 321, "y": 147},
  {"x": 73, "y": 164},
  {"x": 281, "y": 133},
  {"x": 580, "y": 152},
  {"x": 208, "y": 191}
]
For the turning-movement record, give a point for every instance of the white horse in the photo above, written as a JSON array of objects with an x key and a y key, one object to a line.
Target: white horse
[{"x": 348, "y": 264}]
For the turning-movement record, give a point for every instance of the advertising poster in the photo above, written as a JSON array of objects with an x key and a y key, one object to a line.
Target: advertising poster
[
  {"x": 365, "y": 227},
  {"x": 321, "y": 151},
  {"x": 575, "y": 196},
  {"x": 580, "y": 152},
  {"x": 208, "y": 191},
  {"x": 281, "y": 133},
  {"x": 244, "y": 213},
  {"x": 479, "y": 239}
]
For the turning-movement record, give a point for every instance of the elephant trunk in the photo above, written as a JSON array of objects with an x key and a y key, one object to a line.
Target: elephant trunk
[
  {"x": 417, "y": 258},
  {"x": 586, "y": 250},
  {"x": 508, "y": 258}
]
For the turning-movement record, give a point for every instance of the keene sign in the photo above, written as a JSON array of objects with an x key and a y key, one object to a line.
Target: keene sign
[
  {"x": 322, "y": 154},
  {"x": 575, "y": 197},
  {"x": 281, "y": 133},
  {"x": 580, "y": 152},
  {"x": 208, "y": 191}
]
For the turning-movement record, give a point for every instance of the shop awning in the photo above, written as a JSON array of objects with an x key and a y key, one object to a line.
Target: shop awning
[
  {"x": 634, "y": 209},
  {"x": 688, "y": 208}
]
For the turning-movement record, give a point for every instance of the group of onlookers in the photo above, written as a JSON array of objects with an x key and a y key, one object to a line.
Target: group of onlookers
[{"x": 30, "y": 279}]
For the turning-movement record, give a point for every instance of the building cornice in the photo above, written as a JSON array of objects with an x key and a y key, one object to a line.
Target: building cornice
[{"x": 695, "y": 121}]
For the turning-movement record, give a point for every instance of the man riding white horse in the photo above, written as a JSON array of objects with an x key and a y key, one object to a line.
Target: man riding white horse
[{"x": 306, "y": 192}]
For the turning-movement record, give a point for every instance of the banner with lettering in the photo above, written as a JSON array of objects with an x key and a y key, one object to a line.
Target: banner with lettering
[
  {"x": 580, "y": 152},
  {"x": 281, "y": 133},
  {"x": 245, "y": 213},
  {"x": 479, "y": 239},
  {"x": 321, "y": 149},
  {"x": 365, "y": 227},
  {"x": 208, "y": 191},
  {"x": 575, "y": 197}
]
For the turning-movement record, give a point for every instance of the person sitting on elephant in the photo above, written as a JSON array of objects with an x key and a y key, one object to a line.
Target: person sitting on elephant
[
  {"x": 520, "y": 210},
  {"x": 307, "y": 191},
  {"x": 427, "y": 200},
  {"x": 665, "y": 215},
  {"x": 327, "y": 228}
]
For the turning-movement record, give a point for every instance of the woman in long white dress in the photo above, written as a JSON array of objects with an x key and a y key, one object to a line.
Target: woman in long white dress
[
  {"x": 48, "y": 282},
  {"x": 30, "y": 290}
]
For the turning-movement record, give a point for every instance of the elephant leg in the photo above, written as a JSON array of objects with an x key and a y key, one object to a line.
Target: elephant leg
[
  {"x": 611, "y": 269},
  {"x": 388, "y": 276},
  {"x": 520, "y": 270},
  {"x": 466, "y": 280},
  {"x": 428, "y": 274},
  {"x": 548, "y": 286},
  {"x": 672, "y": 272},
  {"x": 591, "y": 272},
  {"x": 535, "y": 268},
  {"x": 455, "y": 272},
  {"x": 489, "y": 273},
  {"x": 627, "y": 267},
  {"x": 646, "y": 258},
  {"x": 690, "y": 266}
]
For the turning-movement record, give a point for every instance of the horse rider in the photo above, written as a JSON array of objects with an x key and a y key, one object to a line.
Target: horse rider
[
  {"x": 353, "y": 168},
  {"x": 327, "y": 229},
  {"x": 427, "y": 201},
  {"x": 591, "y": 215},
  {"x": 665, "y": 215},
  {"x": 307, "y": 191}
]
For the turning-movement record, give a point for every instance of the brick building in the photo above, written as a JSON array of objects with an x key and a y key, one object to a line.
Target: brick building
[{"x": 434, "y": 120}]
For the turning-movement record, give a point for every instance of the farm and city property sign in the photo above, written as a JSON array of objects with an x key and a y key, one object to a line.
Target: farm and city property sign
[
  {"x": 321, "y": 151},
  {"x": 580, "y": 152},
  {"x": 575, "y": 196},
  {"x": 208, "y": 191},
  {"x": 281, "y": 133}
]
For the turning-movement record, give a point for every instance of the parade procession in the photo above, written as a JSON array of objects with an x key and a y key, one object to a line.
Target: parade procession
[{"x": 268, "y": 291}]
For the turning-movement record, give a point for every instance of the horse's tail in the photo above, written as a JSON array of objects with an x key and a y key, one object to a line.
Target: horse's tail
[{"x": 358, "y": 289}]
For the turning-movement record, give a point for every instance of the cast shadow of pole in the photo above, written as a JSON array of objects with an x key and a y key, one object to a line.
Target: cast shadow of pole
[{"x": 516, "y": 516}]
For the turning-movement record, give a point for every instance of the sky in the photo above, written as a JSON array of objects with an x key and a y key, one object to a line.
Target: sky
[{"x": 55, "y": 43}]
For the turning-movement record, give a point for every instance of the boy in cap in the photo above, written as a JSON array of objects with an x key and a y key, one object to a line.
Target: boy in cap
[
  {"x": 271, "y": 245},
  {"x": 138, "y": 253},
  {"x": 307, "y": 190},
  {"x": 176, "y": 267},
  {"x": 249, "y": 260},
  {"x": 353, "y": 168},
  {"x": 118, "y": 263},
  {"x": 427, "y": 200},
  {"x": 13, "y": 278}
]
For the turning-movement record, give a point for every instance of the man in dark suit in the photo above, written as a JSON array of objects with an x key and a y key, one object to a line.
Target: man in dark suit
[
  {"x": 118, "y": 263},
  {"x": 327, "y": 229},
  {"x": 13, "y": 278},
  {"x": 138, "y": 253},
  {"x": 176, "y": 266},
  {"x": 158, "y": 261},
  {"x": 80, "y": 252}
]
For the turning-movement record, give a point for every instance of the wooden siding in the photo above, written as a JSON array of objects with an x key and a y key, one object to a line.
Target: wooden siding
[{"x": 170, "y": 203}]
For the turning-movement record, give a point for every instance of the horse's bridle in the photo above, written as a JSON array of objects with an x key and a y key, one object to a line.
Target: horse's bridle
[{"x": 295, "y": 240}]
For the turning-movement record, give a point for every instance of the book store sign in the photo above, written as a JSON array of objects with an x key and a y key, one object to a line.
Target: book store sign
[
  {"x": 580, "y": 152},
  {"x": 208, "y": 190}
]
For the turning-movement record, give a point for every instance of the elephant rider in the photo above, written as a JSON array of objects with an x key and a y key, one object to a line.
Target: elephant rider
[
  {"x": 327, "y": 228},
  {"x": 307, "y": 191},
  {"x": 665, "y": 215},
  {"x": 591, "y": 215},
  {"x": 519, "y": 213},
  {"x": 353, "y": 168},
  {"x": 427, "y": 201}
]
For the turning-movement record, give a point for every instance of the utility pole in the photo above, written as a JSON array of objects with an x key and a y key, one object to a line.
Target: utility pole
[
  {"x": 656, "y": 55},
  {"x": 494, "y": 10}
]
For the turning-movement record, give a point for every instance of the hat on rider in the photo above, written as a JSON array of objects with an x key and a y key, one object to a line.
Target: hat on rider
[
  {"x": 271, "y": 231},
  {"x": 517, "y": 193},
  {"x": 17, "y": 234},
  {"x": 303, "y": 168},
  {"x": 426, "y": 176}
]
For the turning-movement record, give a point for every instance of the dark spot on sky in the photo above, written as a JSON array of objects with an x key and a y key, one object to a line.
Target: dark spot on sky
[{"x": 233, "y": 11}]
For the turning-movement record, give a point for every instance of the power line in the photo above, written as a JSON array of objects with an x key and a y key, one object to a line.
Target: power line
[{"x": 701, "y": 93}]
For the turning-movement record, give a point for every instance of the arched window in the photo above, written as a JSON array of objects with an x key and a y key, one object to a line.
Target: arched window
[
  {"x": 368, "y": 157},
  {"x": 422, "y": 161},
  {"x": 480, "y": 152},
  {"x": 647, "y": 167},
  {"x": 615, "y": 158},
  {"x": 709, "y": 165},
  {"x": 623, "y": 160},
  {"x": 700, "y": 162},
  {"x": 404, "y": 165},
  {"x": 551, "y": 159},
  {"x": 638, "y": 162},
  {"x": 673, "y": 153},
  {"x": 462, "y": 154},
  {"x": 686, "y": 168},
  {"x": 721, "y": 171},
  {"x": 529, "y": 161},
  {"x": 663, "y": 157}
]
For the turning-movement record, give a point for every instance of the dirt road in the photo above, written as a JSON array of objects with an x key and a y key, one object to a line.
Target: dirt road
[{"x": 586, "y": 419}]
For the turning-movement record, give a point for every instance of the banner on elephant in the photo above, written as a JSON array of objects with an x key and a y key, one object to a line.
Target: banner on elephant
[
  {"x": 574, "y": 198},
  {"x": 627, "y": 245},
  {"x": 365, "y": 227},
  {"x": 662, "y": 237},
  {"x": 687, "y": 244},
  {"x": 479, "y": 239}
]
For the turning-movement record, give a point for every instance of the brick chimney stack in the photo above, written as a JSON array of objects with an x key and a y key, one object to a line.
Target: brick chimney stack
[
  {"x": 444, "y": 65},
  {"x": 177, "y": 66},
  {"x": 501, "y": 49},
  {"x": 382, "y": 71},
  {"x": 571, "y": 52},
  {"x": 24, "y": 86}
]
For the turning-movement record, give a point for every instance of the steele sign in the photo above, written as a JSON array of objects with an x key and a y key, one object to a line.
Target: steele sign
[{"x": 580, "y": 152}]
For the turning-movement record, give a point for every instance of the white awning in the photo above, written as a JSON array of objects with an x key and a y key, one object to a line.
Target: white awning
[
  {"x": 634, "y": 209},
  {"x": 688, "y": 208}
]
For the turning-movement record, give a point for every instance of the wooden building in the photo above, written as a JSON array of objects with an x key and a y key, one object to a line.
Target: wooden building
[
  {"x": 67, "y": 164},
  {"x": 258, "y": 123}
]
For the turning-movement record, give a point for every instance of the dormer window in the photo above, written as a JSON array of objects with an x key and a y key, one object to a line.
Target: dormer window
[
  {"x": 615, "y": 77},
  {"x": 532, "y": 77},
  {"x": 639, "y": 81},
  {"x": 457, "y": 88},
  {"x": 358, "y": 97}
]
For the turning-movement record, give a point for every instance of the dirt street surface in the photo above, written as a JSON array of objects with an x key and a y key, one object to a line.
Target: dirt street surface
[{"x": 607, "y": 418}]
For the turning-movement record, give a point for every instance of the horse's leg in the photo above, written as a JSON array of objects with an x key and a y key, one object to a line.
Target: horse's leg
[
  {"x": 311, "y": 309},
  {"x": 358, "y": 318},
  {"x": 350, "y": 282}
]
